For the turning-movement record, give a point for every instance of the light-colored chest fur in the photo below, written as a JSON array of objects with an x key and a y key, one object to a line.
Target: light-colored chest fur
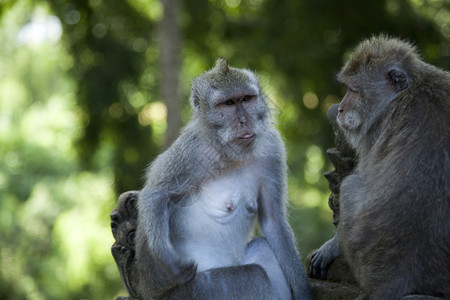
[{"x": 215, "y": 228}]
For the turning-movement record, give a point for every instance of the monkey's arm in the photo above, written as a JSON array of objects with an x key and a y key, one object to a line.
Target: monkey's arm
[
  {"x": 349, "y": 203},
  {"x": 154, "y": 229},
  {"x": 169, "y": 179},
  {"x": 279, "y": 235},
  {"x": 274, "y": 224}
]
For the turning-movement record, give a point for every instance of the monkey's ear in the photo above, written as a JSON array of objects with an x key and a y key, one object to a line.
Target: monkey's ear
[
  {"x": 195, "y": 101},
  {"x": 398, "y": 79},
  {"x": 222, "y": 65}
]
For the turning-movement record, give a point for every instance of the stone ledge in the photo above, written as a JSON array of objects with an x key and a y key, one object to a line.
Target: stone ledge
[{"x": 321, "y": 289}]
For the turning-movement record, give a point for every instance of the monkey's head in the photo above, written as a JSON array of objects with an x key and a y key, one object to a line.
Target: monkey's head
[
  {"x": 377, "y": 71},
  {"x": 231, "y": 107}
]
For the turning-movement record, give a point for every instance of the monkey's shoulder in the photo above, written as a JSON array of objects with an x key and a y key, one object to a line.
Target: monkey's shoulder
[
  {"x": 176, "y": 162},
  {"x": 271, "y": 146}
]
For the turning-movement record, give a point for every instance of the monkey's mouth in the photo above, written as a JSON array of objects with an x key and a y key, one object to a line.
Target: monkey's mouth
[{"x": 247, "y": 136}]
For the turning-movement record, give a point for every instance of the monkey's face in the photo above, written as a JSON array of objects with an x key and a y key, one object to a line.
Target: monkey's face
[
  {"x": 231, "y": 108},
  {"x": 368, "y": 95},
  {"x": 238, "y": 120},
  {"x": 363, "y": 102},
  {"x": 358, "y": 107},
  {"x": 349, "y": 117}
]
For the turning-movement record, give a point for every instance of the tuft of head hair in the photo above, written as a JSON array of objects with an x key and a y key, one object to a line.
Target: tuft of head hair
[
  {"x": 222, "y": 66},
  {"x": 221, "y": 78},
  {"x": 379, "y": 52}
]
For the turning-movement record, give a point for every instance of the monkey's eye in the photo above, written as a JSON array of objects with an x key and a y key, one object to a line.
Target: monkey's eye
[
  {"x": 229, "y": 102},
  {"x": 246, "y": 98}
]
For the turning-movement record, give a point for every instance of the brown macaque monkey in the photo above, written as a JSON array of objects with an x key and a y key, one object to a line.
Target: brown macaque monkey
[
  {"x": 394, "y": 228},
  {"x": 203, "y": 196}
]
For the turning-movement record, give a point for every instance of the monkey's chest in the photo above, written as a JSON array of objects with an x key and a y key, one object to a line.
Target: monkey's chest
[
  {"x": 229, "y": 200},
  {"x": 215, "y": 229}
]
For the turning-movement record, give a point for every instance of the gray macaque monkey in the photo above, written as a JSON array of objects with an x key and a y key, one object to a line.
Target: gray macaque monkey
[
  {"x": 203, "y": 196},
  {"x": 394, "y": 226}
]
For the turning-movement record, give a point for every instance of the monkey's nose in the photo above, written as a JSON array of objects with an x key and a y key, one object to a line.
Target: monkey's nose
[{"x": 242, "y": 120}]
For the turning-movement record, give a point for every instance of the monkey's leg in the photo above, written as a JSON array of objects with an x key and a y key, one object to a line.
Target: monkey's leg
[
  {"x": 239, "y": 282},
  {"x": 260, "y": 277},
  {"x": 259, "y": 252}
]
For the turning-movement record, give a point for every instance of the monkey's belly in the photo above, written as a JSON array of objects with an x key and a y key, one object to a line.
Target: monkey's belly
[{"x": 215, "y": 229}]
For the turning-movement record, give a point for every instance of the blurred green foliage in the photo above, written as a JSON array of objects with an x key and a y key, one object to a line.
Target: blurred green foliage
[{"x": 81, "y": 114}]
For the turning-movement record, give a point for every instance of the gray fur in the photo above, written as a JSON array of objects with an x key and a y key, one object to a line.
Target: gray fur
[
  {"x": 203, "y": 195},
  {"x": 394, "y": 228}
]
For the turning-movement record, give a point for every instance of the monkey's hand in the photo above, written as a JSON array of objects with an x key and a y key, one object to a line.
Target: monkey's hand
[
  {"x": 183, "y": 272},
  {"x": 322, "y": 258}
]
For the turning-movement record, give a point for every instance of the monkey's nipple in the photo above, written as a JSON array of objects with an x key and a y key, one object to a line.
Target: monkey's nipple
[
  {"x": 251, "y": 207},
  {"x": 230, "y": 207}
]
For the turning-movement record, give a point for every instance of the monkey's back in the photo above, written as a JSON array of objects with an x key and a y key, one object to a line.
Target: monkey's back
[{"x": 403, "y": 227}]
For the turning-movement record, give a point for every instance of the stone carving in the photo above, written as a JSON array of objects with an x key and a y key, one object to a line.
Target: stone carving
[
  {"x": 123, "y": 226},
  {"x": 344, "y": 160},
  {"x": 340, "y": 282}
]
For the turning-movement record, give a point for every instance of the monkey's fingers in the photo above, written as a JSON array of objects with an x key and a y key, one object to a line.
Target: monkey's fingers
[
  {"x": 313, "y": 265},
  {"x": 318, "y": 265}
]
